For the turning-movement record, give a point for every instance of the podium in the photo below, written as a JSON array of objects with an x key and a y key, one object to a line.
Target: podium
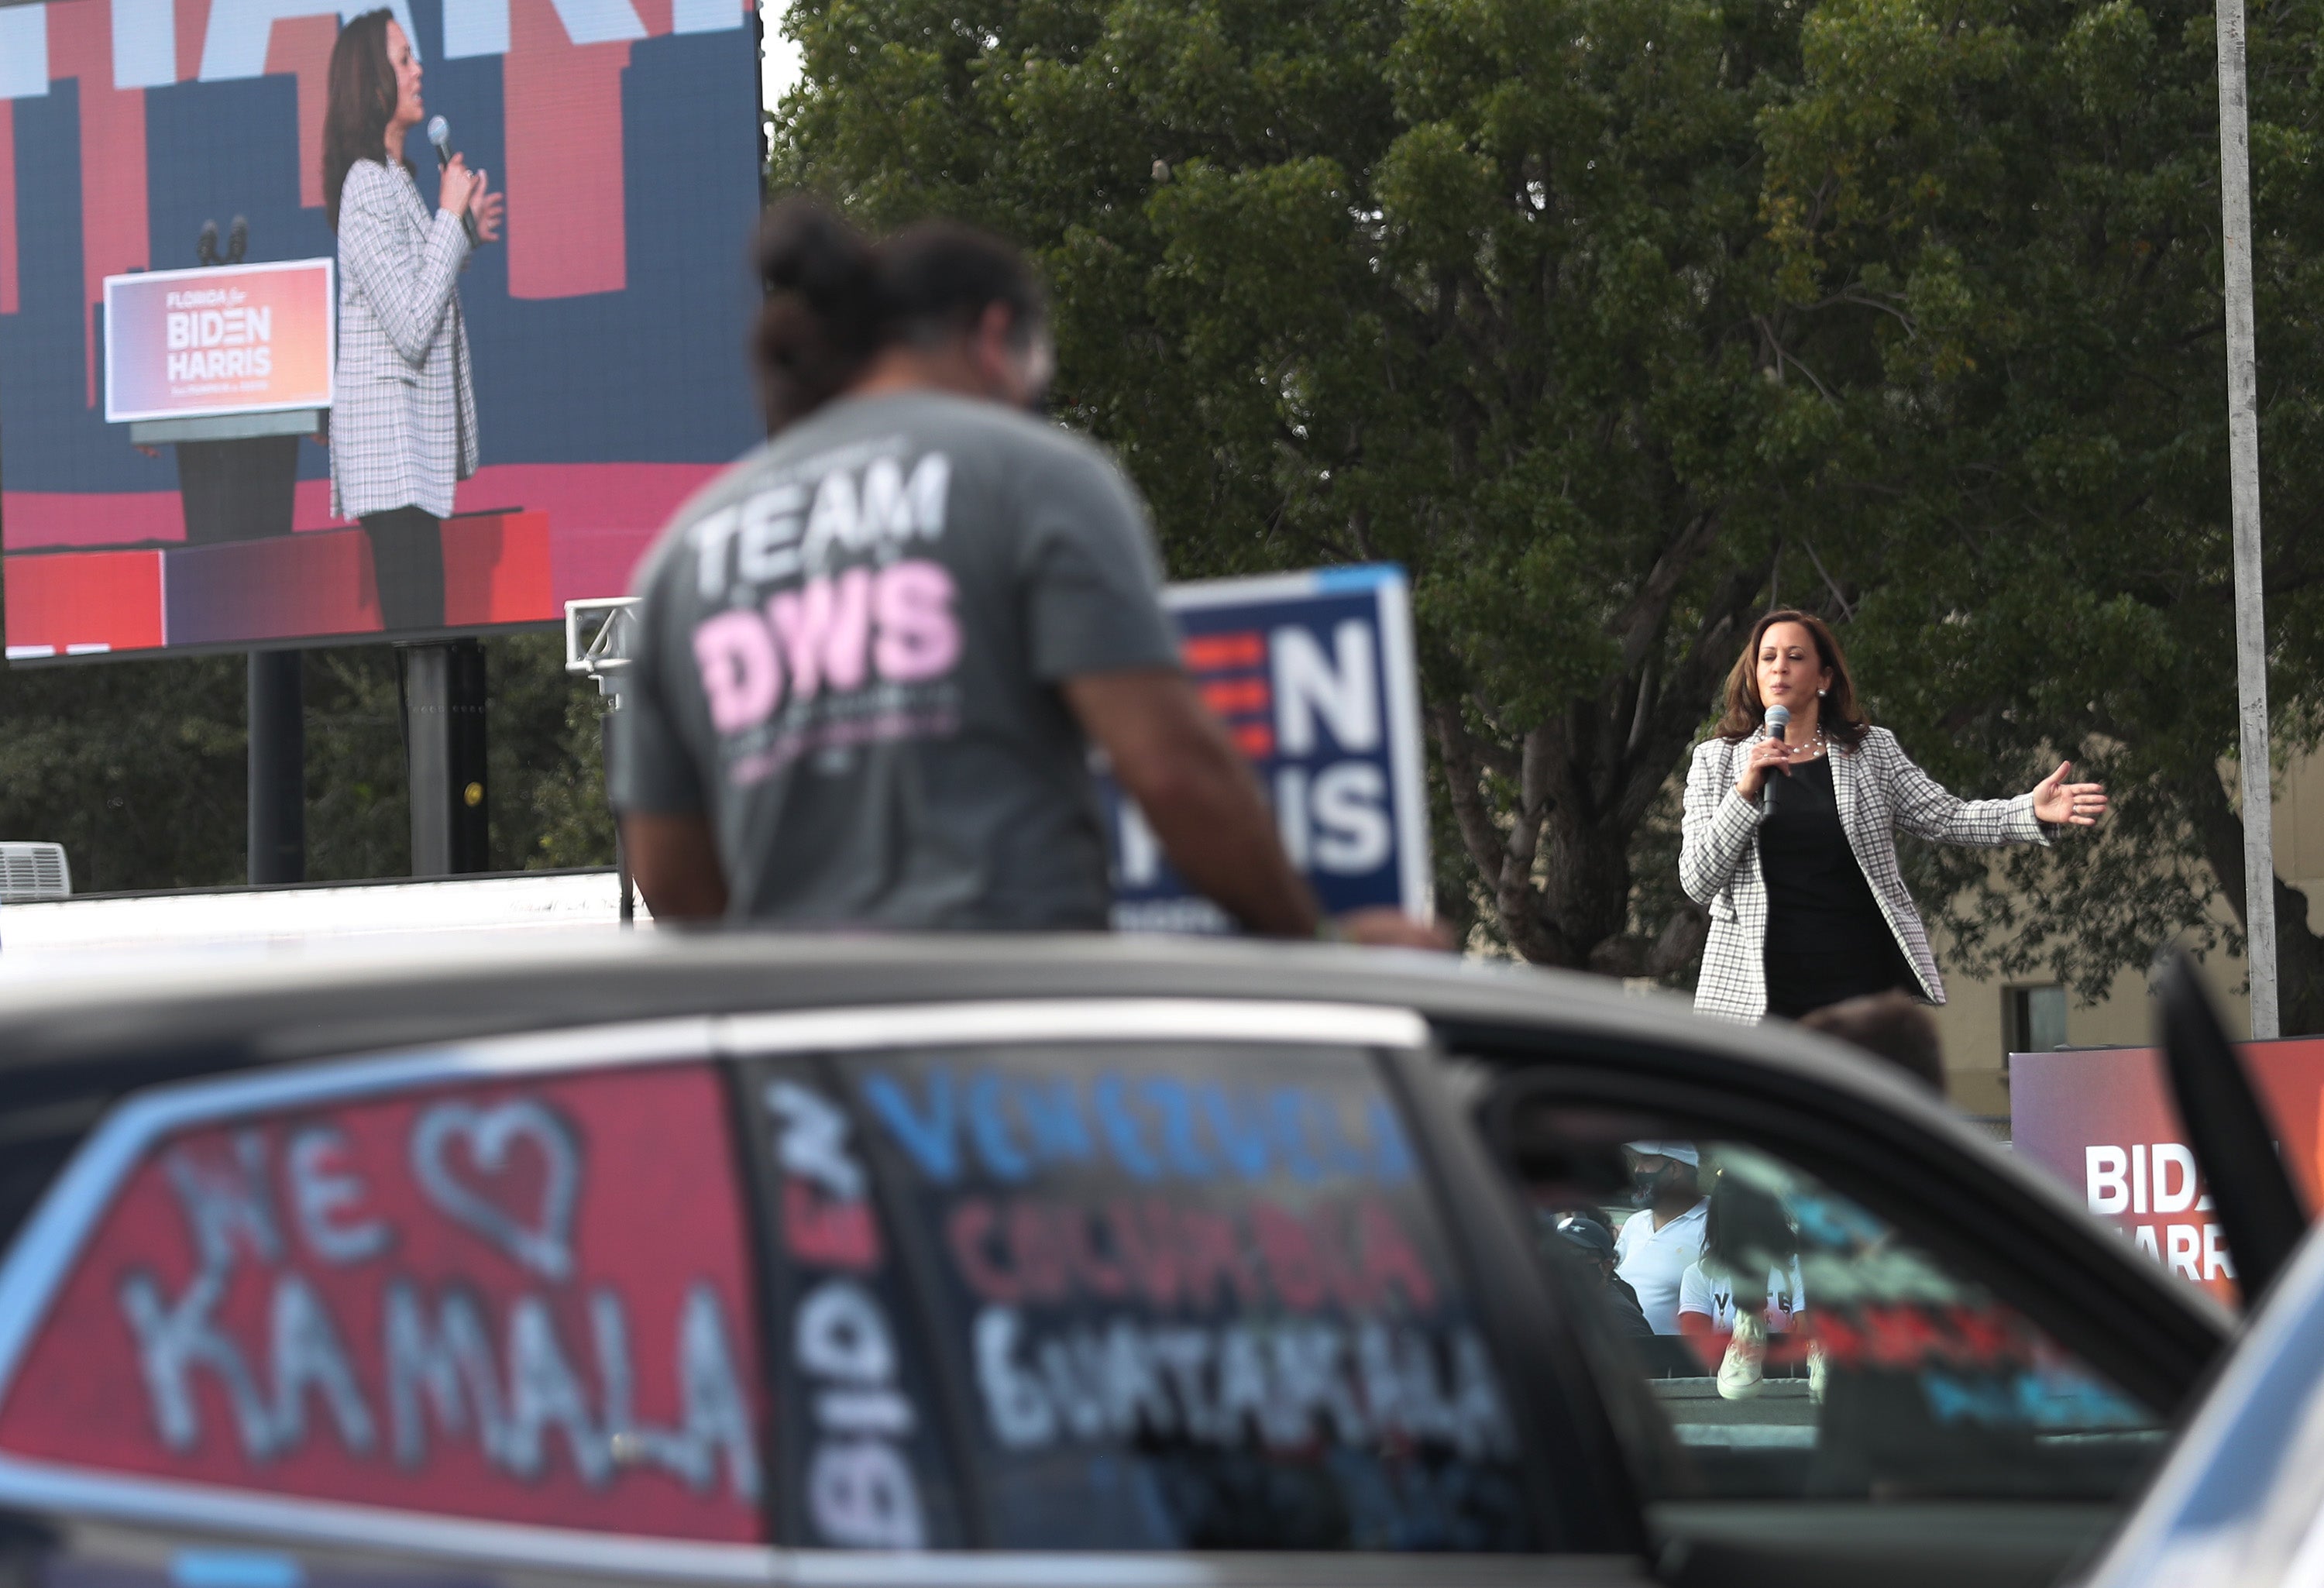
[
  {"x": 237, "y": 478},
  {"x": 237, "y": 473},
  {"x": 230, "y": 364}
]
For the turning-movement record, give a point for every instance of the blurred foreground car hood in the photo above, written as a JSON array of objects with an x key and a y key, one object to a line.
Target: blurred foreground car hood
[{"x": 2240, "y": 1502}]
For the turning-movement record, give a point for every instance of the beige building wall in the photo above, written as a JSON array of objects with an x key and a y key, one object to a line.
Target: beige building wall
[{"x": 1974, "y": 1020}]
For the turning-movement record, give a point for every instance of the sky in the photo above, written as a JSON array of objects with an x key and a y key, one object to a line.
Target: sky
[{"x": 780, "y": 67}]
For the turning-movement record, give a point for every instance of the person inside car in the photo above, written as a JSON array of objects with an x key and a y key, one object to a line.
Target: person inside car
[
  {"x": 1664, "y": 1236},
  {"x": 1745, "y": 1286},
  {"x": 1593, "y": 1243}
]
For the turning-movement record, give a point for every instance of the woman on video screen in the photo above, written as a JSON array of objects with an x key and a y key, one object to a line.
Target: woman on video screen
[{"x": 403, "y": 425}]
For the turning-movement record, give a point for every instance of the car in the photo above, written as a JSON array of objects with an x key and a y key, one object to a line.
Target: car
[
  {"x": 729, "y": 1258},
  {"x": 2240, "y": 1504}
]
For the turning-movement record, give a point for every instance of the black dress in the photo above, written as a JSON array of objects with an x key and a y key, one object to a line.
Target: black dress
[{"x": 1827, "y": 940}]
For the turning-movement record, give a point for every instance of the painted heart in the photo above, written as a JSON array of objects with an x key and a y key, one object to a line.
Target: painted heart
[{"x": 544, "y": 1243}]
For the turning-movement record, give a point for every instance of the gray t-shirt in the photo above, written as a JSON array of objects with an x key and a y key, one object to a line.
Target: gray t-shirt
[{"x": 849, "y": 648}]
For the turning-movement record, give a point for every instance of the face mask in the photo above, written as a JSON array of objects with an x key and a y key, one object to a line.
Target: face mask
[{"x": 1643, "y": 1183}]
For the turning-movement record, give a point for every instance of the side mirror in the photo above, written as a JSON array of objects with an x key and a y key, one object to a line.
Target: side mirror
[{"x": 2259, "y": 1206}]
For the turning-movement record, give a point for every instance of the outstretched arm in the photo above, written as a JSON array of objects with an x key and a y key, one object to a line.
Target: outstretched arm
[
  {"x": 2057, "y": 803},
  {"x": 1926, "y": 808},
  {"x": 1171, "y": 756},
  {"x": 675, "y": 860}
]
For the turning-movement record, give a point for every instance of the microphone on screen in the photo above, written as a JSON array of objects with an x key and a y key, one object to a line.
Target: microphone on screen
[
  {"x": 1779, "y": 722},
  {"x": 440, "y": 133}
]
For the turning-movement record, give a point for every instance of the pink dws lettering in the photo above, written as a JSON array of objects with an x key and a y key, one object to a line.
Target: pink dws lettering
[
  {"x": 912, "y": 609},
  {"x": 740, "y": 673},
  {"x": 824, "y": 627},
  {"x": 898, "y": 622}
]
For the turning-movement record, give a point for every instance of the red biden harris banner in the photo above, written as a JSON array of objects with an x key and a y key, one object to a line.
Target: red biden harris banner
[{"x": 2103, "y": 1122}]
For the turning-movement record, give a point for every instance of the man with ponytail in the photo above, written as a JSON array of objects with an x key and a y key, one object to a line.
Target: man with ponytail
[{"x": 875, "y": 653}]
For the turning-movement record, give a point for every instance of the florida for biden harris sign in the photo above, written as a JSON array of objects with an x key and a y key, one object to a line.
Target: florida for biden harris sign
[{"x": 237, "y": 338}]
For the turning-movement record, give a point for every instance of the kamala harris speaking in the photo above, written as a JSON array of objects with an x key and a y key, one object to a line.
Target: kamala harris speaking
[
  {"x": 403, "y": 421},
  {"x": 1790, "y": 836}
]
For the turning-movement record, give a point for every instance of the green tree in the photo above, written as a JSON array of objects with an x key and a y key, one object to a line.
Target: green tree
[
  {"x": 1617, "y": 321},
  {"x": 2032, "y": 196},
  {"x": 138, "y": 767},
  {"x": 1483, "y": 290}
]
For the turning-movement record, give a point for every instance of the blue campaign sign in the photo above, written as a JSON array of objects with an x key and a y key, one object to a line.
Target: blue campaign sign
[{"x": 1315, "y": 677}]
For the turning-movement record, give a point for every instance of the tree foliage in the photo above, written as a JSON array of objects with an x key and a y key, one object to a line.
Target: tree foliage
[
  {"x": 138, "y": 767},
  {"x": 2043, "y": 184},
  {"x": 1617, "y": 321}
]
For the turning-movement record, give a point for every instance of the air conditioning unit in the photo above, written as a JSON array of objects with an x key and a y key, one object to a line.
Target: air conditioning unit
[{"x": 29, "y": 872}]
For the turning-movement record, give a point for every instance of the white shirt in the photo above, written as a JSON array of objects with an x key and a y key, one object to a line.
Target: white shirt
[
  {"x": 1652, "y": 1261},
  {"x": 1698, "y": 1292}
]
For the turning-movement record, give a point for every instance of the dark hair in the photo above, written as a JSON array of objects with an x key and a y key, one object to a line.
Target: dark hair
[
  {"x": 1839, "y": 715},
  {"x": 361, "y": 104},
  {"x": 1887, "y": 1025},
  {"x": 836, "y": 298},
  {"x": 1746, "y": 1232}
]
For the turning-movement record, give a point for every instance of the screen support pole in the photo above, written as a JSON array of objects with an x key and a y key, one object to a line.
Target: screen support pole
[
  {"x": 278, "y": 767},
  {"x": 444, "y": 736},
  {"x": 628, "y": 884}
]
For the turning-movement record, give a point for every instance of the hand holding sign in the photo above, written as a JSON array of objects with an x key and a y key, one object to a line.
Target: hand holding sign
[
  {"x": 1383, "y": 926},
  {"x": 1312, "y": 674}
]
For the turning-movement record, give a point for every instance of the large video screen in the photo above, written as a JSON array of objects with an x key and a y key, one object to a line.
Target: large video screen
[{"x": 183, "y": 341}]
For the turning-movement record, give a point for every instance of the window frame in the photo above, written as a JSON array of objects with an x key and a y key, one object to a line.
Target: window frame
[
  {"x": 778, "y": 1280},
  {"x": 1548, "y": 1348},
  {"x": 2017, "y": 1035},
  {"x": 2047, "y": 1256}
]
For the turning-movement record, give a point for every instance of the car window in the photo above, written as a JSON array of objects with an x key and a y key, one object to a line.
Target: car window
[
  {"x": 1192, "y": 1297},
  {"x": 1797, "y": 1343},
  {"x": 523, "y": 1300}
]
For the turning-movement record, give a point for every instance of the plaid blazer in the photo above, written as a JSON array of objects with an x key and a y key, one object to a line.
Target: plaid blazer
[
  {"x": 1878, "y": 790},
  {"x": 403, "y": 421}
]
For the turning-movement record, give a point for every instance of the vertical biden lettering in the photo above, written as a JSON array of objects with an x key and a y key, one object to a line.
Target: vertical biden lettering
[
  {"x": 213, "y": 336},
  {"x": 1330, "y": 781}
]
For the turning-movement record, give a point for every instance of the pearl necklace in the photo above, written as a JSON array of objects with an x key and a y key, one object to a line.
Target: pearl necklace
[{"x": 1814, "y": 748}]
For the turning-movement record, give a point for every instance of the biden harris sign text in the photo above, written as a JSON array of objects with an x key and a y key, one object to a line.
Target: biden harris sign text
[{"x": 1313, "y": 674}]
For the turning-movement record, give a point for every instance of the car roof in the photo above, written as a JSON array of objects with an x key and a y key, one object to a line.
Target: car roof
[
  {"x": 154, "y": 1018},
  {"x": 325, "y": 1003}
]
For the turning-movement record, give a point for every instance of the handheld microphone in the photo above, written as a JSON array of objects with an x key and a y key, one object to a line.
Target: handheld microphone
[
  {"x": 439, "y": 134},
  {"x": 1779, "y": 723}
]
